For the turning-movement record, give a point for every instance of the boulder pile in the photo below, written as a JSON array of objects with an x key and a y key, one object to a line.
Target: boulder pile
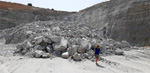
[
  {"x": 44, "y": 39},
  {"x": 50, "y": 46}
]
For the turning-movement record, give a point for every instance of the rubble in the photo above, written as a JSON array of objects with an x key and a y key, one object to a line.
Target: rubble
[{"x": 59, "y": 42}]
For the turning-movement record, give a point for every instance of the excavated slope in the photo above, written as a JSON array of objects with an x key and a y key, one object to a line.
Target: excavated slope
[{"x": 121, "y": 20}]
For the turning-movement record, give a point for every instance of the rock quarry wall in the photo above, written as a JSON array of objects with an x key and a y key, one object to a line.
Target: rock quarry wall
[
  {"x": 117, "y": 19},
  {"x": 12, "y": 14},
  {"x": 120, "y": 19}
]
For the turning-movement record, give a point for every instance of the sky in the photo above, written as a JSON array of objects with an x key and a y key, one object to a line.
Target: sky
[{"x": 63, "y": 5}]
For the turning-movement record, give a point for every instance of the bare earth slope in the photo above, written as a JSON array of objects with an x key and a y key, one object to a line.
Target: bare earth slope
[{"x": 13, "y": 14}]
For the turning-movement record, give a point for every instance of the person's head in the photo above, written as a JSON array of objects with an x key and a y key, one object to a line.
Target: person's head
[{"x": 98, "y": 46}]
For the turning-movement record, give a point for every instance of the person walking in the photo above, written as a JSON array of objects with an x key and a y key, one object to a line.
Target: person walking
[{"x": 97, "y": 52}]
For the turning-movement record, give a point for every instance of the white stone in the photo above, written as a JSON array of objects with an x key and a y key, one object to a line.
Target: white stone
[
  {"x": 38, "y": 40},
  {"x": 61, "y": 46},
  {"x": 83, "y": 47},
  {"x": 27, "y": 45},
  {"x": 77, "y": 57},
  {"x": 65, "y": 55},
  {"x": 38, "y": 53},
  {"x": 46, "y": 55},
  {"x": 72, "y": 50},
  {"x": 86, "y": 55},
  {"x": 119, "y": 52}
]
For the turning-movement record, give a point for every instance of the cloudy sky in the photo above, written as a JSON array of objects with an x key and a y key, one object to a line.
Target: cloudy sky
[{"x": 65, "y": 5}]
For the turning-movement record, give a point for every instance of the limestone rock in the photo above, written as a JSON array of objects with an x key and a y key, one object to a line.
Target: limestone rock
[
  {"x": 119, "y": 52},
  {"x": 65, "y": 55},
  {"x": 77, "y": 57},
  {"x": 38, "y": 53},
  {"x": 61, "y": 46},
  {"x": 72, "y": 50},
  {"x": 38, "y": 40},
  {"x": 24, "y": 45},
  {"x": 86, "y": 55},
  {"x": 83, "y": 47},
  {"x": 46, "y": 55}
]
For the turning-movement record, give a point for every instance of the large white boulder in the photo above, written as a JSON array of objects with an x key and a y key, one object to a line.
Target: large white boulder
[
  {"x": 60, "y": 46},
  {"x": 38, "y": 40},
  {"x": 84, "y": 45},
  {"x": 65, "y": 55},
  {"x": 77, "y": 57},
  {"x": 72, "y": 50}
]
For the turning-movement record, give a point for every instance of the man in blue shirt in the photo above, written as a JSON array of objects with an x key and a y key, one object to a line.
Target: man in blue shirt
[{"x": 97, "y": 52}]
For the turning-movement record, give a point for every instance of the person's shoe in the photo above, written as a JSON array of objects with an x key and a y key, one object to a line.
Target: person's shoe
[{"x": 96, "y": 63}]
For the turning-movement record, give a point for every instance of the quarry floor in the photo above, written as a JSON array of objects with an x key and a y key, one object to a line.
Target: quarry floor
[{"x": 134, "y": 61}]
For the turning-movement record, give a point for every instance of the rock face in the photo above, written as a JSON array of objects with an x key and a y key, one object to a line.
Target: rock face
[
  {"x": 120, "y": 19},
  {"x": 117, "y": 19}
]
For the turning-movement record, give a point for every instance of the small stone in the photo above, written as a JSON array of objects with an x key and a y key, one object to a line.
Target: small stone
[
  {"x": 38, "y": 53},
  {"x": 119, "y": 52},
  {"x": 46, "y": 55},
  {"x": 65, "y": 55}
]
